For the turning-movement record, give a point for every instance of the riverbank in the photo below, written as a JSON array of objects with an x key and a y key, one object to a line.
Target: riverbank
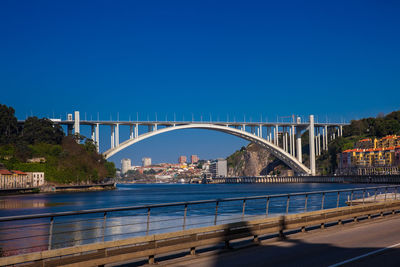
[{"x": 56, "y": 189}]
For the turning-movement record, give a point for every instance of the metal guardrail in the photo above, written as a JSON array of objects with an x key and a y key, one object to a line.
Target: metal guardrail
[{"x": 30, "y": 233}]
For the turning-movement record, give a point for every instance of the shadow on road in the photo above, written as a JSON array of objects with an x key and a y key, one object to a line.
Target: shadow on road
[{"x": 282, "y": 251}]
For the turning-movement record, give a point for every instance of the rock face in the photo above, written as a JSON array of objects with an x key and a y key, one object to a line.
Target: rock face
[{"x": 252, "y": 160}]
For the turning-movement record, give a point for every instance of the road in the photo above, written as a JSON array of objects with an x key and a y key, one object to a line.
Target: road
[{"x": 331, "y": 246}]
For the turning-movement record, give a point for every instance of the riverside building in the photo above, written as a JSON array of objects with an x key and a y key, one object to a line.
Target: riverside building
[
  {"x": 371, "y": 156},
  {"x": 18, "y": 179},
  {"x": 218, "y": 168}
]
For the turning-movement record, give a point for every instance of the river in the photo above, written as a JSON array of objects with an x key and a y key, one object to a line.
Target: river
[
  {"x": 141, "y": 194},
  {"x": 74, "y": 230}
]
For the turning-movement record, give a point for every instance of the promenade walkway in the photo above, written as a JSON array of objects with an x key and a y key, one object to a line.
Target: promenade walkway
[{"x": 369, "y": 243}]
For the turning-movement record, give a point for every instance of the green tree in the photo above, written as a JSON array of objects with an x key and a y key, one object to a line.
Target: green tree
[
  {"x": 8, "y": 125},
  {"x": 37, "y": 130}
]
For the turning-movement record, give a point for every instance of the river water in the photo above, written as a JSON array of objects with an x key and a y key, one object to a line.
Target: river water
[{"x": 74, "y": 230}]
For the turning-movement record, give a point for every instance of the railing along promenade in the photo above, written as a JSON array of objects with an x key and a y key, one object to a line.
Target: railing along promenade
[
  {"x": 353, "y": 179},
  {"x": 101, "y": 236}
]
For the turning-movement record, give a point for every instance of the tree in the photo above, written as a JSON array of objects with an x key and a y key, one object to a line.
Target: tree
[
  {"x": 8, "y": 125},
  {"x": 37, "y": 130}
]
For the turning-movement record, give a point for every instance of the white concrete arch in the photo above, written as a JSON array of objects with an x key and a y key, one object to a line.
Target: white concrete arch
[{"x": 278, "y": 152}]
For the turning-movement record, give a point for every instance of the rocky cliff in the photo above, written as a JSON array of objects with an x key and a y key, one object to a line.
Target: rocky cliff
[{"x": 252, "y": 160}]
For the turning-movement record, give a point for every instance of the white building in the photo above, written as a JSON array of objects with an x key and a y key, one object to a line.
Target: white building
[
  {"x": 146, "y": 162},
  {"x": 218, "y": 168},
  {"x": 125, "y": 166},
  {"x": 36, "y": 178}
]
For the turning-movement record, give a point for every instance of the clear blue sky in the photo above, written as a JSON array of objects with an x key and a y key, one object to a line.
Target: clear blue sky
[{"x": 336, "y": 59}]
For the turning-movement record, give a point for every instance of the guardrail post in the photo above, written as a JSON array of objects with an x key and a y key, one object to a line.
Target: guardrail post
[
  {"x": 351, "y": 198},
  {"x": 148, "y": 226},
  {"x": 338, "y": 198},
  {"x": 287, "y": 204},
  {"x": 184, "y": 217},
  {"x": 50, "y": 233},
  {"x": 243, "y": 208},
  {"x": 104, "y": 224},
  {"x": 305, "y": 203},
  {"x": 385, "y": 192},
  {"x": 267, "y": 207},
  {"x": 216, "y": 213},
  {"x": 363, "y": 196},
  {"x": 323, "y": 200}
]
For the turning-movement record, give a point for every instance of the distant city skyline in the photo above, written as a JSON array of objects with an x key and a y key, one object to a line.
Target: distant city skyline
[{"x": 182, "y": 59}]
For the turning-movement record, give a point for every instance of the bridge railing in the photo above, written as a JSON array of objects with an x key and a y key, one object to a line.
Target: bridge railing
[{"x": 30, "y": 233}]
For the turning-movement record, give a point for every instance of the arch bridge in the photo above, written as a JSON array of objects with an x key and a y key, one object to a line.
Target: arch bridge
[{"x": 282, "y": 139}]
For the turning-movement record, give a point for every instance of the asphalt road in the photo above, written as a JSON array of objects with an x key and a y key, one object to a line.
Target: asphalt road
[{"x": 331, "y": 246}]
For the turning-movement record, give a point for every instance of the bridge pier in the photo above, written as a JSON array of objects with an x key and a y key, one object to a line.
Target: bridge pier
[
  {"x": 117, "y": 134},
  {"x": 76, "y": 123},
  {"x": 312, "y": 146},
  {"x": 112, "y": 135},
  {"x": 97, "y": 137},
  {"x": 298, "y": 144},
  {"x": 131, "y": 132}
]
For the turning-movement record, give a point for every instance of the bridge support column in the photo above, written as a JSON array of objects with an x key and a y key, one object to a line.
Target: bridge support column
[
  {"x": 92, "y": 134},
  {"x": 97, "y": 137},
  {"x": 323, "y": 139},
  {"x": 292, "y": 141},
  {"x": 131, "y": 132},
  {"x": 260, "y": 131},
  {"x": 117, "y": 134},
  {"x": 270, "y": 134},
  {"x": 136, "y": 130},
  {"x": 326, "y": 137},
  {"x": 112, "y": 136},
  {"x": 283, "y": 139},
  {"x": 312, "y": 147},
  {"x": 276, "y": 141},
  {"x": 319, "y": 143},
  {"x": 69, "y": 129},
  {"x": 298, "y": 144},
  {"x": 76, "y": 123},
  {"x": 287, "y": 141},
  {"x": 341, "y": 130}
]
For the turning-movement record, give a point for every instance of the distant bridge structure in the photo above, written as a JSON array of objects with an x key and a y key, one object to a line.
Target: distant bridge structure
[{"x": 282, "y": 139}]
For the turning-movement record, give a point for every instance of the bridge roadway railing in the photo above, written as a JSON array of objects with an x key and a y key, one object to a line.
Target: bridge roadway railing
[{"x": 40, "y": 233}]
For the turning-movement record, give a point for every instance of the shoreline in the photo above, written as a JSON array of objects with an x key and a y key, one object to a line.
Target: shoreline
[{"x": 58, "y": 189}]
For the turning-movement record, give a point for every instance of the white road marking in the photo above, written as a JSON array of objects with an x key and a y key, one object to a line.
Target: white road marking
[{"x": 364, "y": 255}]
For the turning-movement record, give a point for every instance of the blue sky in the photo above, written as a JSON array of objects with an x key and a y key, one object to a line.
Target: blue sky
[{"x": 338, "y": 60}]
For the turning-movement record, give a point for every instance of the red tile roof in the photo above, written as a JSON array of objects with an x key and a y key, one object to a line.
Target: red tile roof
[
  {"x": 388, "y": 137},
  {"x": 5, "y": 172},
  {"x": 19, "y": 172}
]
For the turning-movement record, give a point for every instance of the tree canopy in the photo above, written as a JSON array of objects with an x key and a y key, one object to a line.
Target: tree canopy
[
  {"x": 8, "y": 125},
  {"x": 37, "y": 130}
]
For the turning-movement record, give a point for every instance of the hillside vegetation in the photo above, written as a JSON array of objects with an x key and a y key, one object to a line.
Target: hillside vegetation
[
  {"x": 378, "y": 127},
  {"x": 239, "y": 162},
  {"x": 66, "y": 161}
]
